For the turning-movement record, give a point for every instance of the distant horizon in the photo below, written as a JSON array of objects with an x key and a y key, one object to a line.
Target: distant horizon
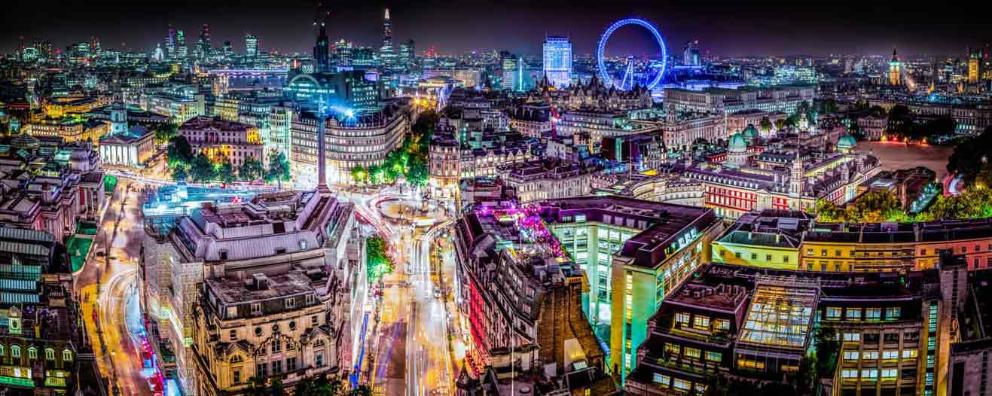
[{"x": 724, "y": 28}]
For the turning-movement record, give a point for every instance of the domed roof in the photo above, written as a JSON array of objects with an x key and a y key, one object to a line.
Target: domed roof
[
  {"x": 750, "y": 132},
  {"x": 737, "y": 143},
  {"x": 846, "y": 142}
]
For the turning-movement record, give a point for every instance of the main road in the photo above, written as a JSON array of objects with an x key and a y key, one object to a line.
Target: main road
[{"x": 108, "y": 286}]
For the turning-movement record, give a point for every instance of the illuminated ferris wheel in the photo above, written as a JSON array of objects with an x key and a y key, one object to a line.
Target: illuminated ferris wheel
[{"x": 631, "y": 72}]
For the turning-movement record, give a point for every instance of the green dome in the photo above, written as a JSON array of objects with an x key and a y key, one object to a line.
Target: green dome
[
  {"x": 750, "y": 132},
  {"x": 846, "y": 142},
  {"x": 737, "y": 143}
]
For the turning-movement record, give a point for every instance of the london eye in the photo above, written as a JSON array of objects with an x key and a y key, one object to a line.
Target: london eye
[{"x": 631, "y": 72}]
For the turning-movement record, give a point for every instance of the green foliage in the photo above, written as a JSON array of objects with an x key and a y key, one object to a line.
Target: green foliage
[
  {"x": 359, "y": 174},
  {"x": 201, "y": 170},
  {"x": 827, "y": 211},
  {"x": 379, "y": 263},
  {"x": 874, "y": 207},
  {"x": 165, "y": 133},
  {"x": 765, "y": 125},
  {"x": 278, "y": 168},
  {"x": 971, "y": 158},
  {"x": 251, "y": 170},
  {"x": 320, "y": 386},
  {"x": 409, "y": 161},
  {"x": 225, "y": 172},
  {"x": 902, "y": 123}
]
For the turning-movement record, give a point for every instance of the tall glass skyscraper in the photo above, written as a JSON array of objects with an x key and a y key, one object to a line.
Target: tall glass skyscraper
[{"x": 558, "y": 60}]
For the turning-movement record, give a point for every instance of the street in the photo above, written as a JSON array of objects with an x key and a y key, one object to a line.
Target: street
[{"x": 108, "y": 286}]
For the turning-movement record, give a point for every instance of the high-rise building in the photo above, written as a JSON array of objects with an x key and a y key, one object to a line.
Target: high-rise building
[
  {"x": 251, "y": 46},
  {"x": 895, "y": 69},
  {"x": 387, "y": 31},
  {"x": 690, "y": 55},
  {"x": 320, "y": 59},
  {"x": 228, "y": 49},
  {"x": 558, "y": 60},
  {"x": 170, "y": 43},
  {"x": 181, "y": 51},
  {"x": 408, "y": 53},
  {"x": 203, "y": 44}
]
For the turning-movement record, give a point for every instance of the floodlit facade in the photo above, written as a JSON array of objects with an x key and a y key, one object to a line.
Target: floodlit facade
[{"x": 558, "y": 60}]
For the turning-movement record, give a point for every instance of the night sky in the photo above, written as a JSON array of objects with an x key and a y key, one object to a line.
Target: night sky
[{"x": 725, "y": 28}]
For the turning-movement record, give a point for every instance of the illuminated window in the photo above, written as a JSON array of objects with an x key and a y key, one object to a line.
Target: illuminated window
[
  {"x": 714, "y": 356},
  {"x": 662, "y": 379},
  {"x": 890, "y": 354},
  {"x": 682, "y": 384},
  {"x": 873, "y": 313},
  {"x": 682, "y": 318},
  {"x": 909, "y": 353},
  {"x": 849, "y": 374},
  {"x": 673, "y": 349},
  {"x": 721, "y": 324},
  {"x": 852, "y": 337},
  {"x": 833, "y": 313},
  {"x": 15, "y": 351},
  {"x": 66, "y": 355},
  {"x": 869, "y": 374},
  {"x": 701, "y": 322},
  {"x": 893, "y": 313},
  {"x": 851, "y": 355},
  {"x": 889, "y": 373},
  {"x": 869, "y": 355},
  {"x": 49, "y": 354},
  {"x": 692, "y": 353},
  {"x": 32, "y": 353},
  {"x": 852, "y": 313}
]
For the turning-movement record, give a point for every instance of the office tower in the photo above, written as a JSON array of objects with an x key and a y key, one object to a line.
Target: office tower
[
  {"x": 558, "y": 60},
  {"x": 170, "y": 43},
  {"x": 251, "y": 46},
  {"x": 690, "y": 55},
  {"x": 203, "y": 44},
  {"x": 407, "y": 53},
  {"x": 320, "y": 59},
  {"x": 895, "y": 69},
  {"x": 228, "y": 49},
  {"x": 181, "y": 51},
  {"x": 387, "y": 31}
]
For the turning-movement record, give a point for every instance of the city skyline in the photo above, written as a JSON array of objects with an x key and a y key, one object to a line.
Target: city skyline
[{"x": 722, "y": 28}]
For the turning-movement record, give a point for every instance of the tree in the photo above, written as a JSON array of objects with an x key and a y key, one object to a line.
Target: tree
[
  {"x": 179, "y": 151},
  {"x": 251, "y": 170},
  {"x": 165, "y": 133},
  {"x": 225, "y": 172},
  {"x": 971, "y": 159},
  {"x": 379, "y": 263},
  {"x": 874, "y": 207},
  {"x": 419, "y": 173},
  {"x": 201, "y": 170},
  {"x": 779, "y": 124},
  {"x": 278, "y": 169},
  {"x": 765, "y": 125},
  {"x": 179, "y": 173},
  {"x": 827, "y": 211},
  {"x": 359, "y": 174}
]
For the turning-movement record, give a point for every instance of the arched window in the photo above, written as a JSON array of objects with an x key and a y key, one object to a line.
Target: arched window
[
  {"x": 236, "y": 359},
  {"x": 49, "y": 354},
  {"x": 2, "y": 351},
  {"x": 66, "y": 355},
  {"x": 15, "y": 351},
  {"x": 32, "y": 353}
]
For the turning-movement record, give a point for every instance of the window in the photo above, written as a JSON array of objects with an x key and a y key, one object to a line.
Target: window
[
  {"x": 889, "y": 373},
  {"x": 319, "y": 359},
  {"x": 682, "y": 318},
  {"x": 276, "y": 348},
  {"x": 234, "y": 335},
  {"x": 869, "y": 374},
  {"x": 851, "y": 355},
  {"x": 49, "y": 353},
  {"x": 291, "y": 302},
  {"x": 682, "y": 384},
  {"x": 852, "y": 313},
  {"x": 256, "y": 308},
  {"x": 236, "y": 377},
  {"x": 869, "y": 355},
  {"x": 692, "y": 353},
  {"x": 701, "y": 322},
  {"x": 277, "y": 367},
  {"x": 258, "y": 331},
  {"x": 909, "y": 353},
  {"x": 673, "y": 349},
  {"x": 15, "y": 351},
  {"x": 890, "y": 354},
  {"x": 721, "y": 324},
  {"x": 261, "y": 370},
  {"x": 662, "y": 379},
  {"x": 291, "y": 364},
  {"x": 833, "y": 313},
  {"x": 32, "y": 353},
  {"x": 873, "y": 313},
  {"x": 893, "y": 313},
  {"x": 853, "y": 337},
  {"x": 849, "y": 374},
  {"x": 66, "y": 355},
  {"x": 714, "y": 356}
]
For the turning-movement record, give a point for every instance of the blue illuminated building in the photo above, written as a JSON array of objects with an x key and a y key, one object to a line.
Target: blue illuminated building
[
  {"x": 558, "y": 60},
  {"x": 346, "y": 91}
]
